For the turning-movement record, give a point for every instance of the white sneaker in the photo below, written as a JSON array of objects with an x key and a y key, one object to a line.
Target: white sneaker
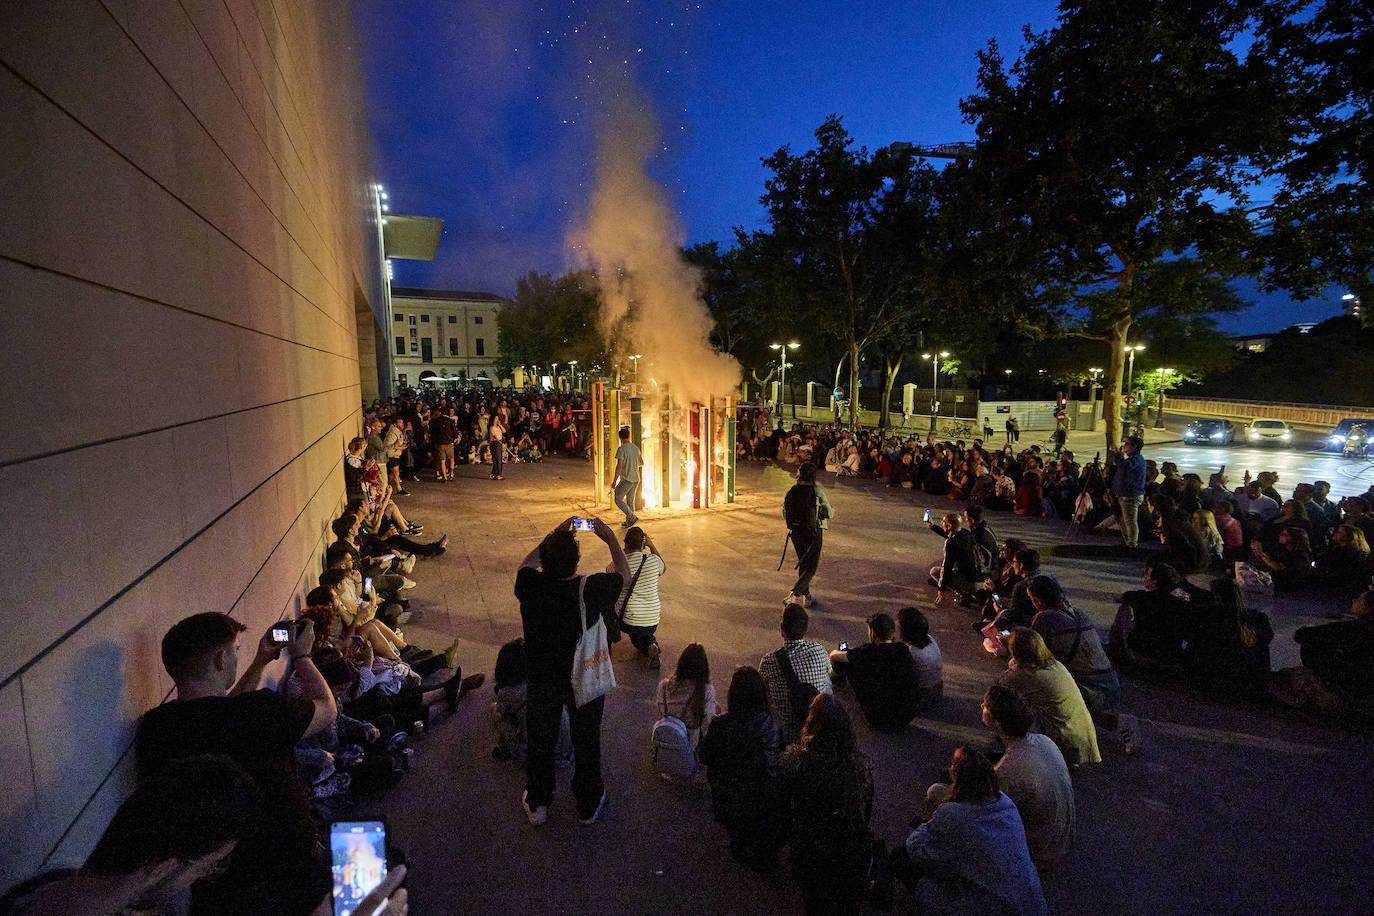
[
  {"x": 600, "y": 806},
  {"x": 407, "y": 564},
  {"x": 1128, "y": 726},
  {"x": 792, "y": 598},
  {"x": 537, "y": 816}
]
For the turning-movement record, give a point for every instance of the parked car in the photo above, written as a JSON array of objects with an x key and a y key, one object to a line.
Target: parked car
[
  {"x": 1210, "y": 431},
  {"x": 1335, "y": 440},
  {"x": 1269, "y": 432}
]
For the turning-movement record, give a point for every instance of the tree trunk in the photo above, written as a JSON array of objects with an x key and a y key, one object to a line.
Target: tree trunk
[
  {"x": 853, "y": 382},
  {"x": 891, "y": 379},
  {"x": 1116, "y": 369}
]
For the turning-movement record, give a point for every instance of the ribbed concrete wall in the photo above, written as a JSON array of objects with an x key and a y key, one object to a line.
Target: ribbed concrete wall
[{"x": 188, "y": 226}]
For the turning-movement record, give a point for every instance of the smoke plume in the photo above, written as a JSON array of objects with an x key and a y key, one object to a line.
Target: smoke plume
[{"x": 632, "y": 240}]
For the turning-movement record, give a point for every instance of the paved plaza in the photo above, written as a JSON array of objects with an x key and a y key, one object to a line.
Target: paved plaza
[{"x": 1236, "y": 807}]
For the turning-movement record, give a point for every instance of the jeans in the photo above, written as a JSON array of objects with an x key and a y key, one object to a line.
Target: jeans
[
  {"x": 640, "y": 637},
  {"x": 498, "y": 457},
  {"x": 625, "y": 498},
  {"x": 1130, "y": 518},
  {"x": 542, "y": 717},
  {"x": 808, "y": 558}
]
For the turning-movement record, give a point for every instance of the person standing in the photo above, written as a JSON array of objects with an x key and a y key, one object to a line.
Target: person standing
[
  {"x": 556, "y": 606},
  {"x": 1011, "y": 427},
  {"x": 1015, "y": 430},
  {"x": 628, "y": 462},
  {"x": 443, "y": 433},
  {"x": 497, "y": 431},
  {"x": 1128, "y": 486},
  {"x": 807, "y": 512}
]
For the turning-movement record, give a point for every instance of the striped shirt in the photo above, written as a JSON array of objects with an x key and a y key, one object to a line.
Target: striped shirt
[{"x": 643, "y": 608}]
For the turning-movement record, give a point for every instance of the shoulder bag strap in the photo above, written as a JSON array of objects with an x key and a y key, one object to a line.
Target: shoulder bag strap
[
  {"x": 633, "y": 582},
  {"x": 582, "y": 604},
  {"x": 785, "y": 663}
]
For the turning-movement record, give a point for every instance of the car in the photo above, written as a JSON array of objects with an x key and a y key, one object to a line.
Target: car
[
  {"x": 1210, "y": 431},
  {"x": 1269, "y": 432},
  {"x": 1335, "y": 440}
]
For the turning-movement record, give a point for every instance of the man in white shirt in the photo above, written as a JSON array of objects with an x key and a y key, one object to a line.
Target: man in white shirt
[{"x": 628, "y": 461}]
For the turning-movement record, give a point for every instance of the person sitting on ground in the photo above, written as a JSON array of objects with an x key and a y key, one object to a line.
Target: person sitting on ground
[
  {"x": 1152, "y": 624},
  {"x": 1073, "y": 639},
  {"x": 1231, "y": 530},
  {"x": 959, "y": 571},
  {"x": 1230, "y": 640},
  {"x": 1029, "y": 497},
  {"x": 1019, "y": 610},
  {"x": 925, "y": 655},
  {"x": 1337, "y": 659},
  {"x": 217, "y": 711},
  {"x": 1183, "y": 546},
  {"x": 829, "y": 790},
  {"x": 1290, "y": 563},
  {"x": 688, "y": 693},
  {"x": 972, "y": 855},
  {"x": 883, "y": 675},
  {"x": 1346, "y": 565},
  {"x": 1053, "y": 695},
  {"x": 1251, "y": 500},
  {"x": 809, "y": 665},
  {"x": 741, "y": 754},
  {"x": 639, "y": 605},
  {"x": 1206, "y": 525}
]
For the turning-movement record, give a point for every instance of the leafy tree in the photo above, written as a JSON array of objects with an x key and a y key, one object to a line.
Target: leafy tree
[
  {"x": 1286, "y": 369},
  {"x": 844, "y": 230},
  {"x": 551, "y": 320},
  {"x": 1319, "y": 228},
  {"x": 1113, "y": 145}
]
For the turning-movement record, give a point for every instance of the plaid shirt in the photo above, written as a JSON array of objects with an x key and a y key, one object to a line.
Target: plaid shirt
[{"x": 811, "y": 663}]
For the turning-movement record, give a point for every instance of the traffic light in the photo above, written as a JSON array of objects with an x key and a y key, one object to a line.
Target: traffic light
[{"x": 1063, "y": 401}]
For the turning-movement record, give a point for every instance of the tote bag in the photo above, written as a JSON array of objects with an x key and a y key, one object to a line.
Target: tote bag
[{"x": 592, "y": 674}]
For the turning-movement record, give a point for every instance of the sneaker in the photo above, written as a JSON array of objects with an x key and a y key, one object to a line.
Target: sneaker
[
  {"x": 654, "y": 652},
  {"x": 473, "y": 681},
  {"x": 1128, "y": 726},
  {"x": 408, "y": 583},
  {"x": 536, "y": 816},
  {"x": 415, "y": 529},
  {"x": 407, "y": 565},
  {"x": 591, "y": 819},
  {"x": 791, "y": 598},
  {"x": 451, "y": 655},
  {"x": 403, "y": 492}
]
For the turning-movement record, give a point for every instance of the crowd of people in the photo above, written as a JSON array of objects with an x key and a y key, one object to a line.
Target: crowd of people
[{"x": 235, "y": 779}]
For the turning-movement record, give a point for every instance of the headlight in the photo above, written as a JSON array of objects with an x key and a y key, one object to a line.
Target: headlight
[
  {"x": 1218, "y": 435},
  {"x": 1254, "y": 434},
  {"x": 1287, "y": 434},
  {"x": 1337, "y": 437}
]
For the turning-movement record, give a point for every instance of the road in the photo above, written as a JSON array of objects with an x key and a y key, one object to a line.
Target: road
[{"x": 1294, "y": 466}]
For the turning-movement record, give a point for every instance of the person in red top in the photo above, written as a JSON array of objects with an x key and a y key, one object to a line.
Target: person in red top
[{"x": 1029, "y": 496}]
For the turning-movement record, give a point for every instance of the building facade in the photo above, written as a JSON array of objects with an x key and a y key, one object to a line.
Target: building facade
[{"x": 444, "y": 334}]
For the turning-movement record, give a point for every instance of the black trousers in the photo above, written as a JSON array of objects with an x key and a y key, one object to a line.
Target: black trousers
[
  {"x": 808, "y": 547},
  {"x": 543, "y": 714}
]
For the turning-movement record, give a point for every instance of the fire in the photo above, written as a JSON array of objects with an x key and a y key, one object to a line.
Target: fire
[{"x": 649, "y": 474}]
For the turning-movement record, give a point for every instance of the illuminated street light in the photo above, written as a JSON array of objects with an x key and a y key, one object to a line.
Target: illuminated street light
[
  {"x": 782, "y": 382},
  {"x": 1130, "y": 373},
  {"x": 935, "y": 383},
  {"x": 635, "y": 359}
]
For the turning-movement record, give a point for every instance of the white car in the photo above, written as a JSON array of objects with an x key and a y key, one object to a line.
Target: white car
[{"x": 1269, "y": 432}]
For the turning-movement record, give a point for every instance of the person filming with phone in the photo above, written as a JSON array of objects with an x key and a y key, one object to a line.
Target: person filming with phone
[
  {"x": 561, "y": 613},
  {"x": 883, "y": 674},
  {"x": 219, "y": 711}
]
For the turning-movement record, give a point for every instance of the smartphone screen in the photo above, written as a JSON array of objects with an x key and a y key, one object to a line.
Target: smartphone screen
[
  {"x": 357, "y": 850},
  {"x": 367, "y": 585},
  {"x": 844, "y": 646},
  {"x": 927, "y": 515},
  {"x": 281, "y": 635},
  {"x": 583, "y": 524}
]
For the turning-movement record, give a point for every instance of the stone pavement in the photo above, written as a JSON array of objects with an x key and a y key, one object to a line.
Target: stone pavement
[{"x": 1235, "y": 808}]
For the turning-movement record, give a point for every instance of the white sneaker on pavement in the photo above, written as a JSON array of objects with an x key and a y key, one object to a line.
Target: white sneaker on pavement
[
  {"x": 537, "y": 816},
  {"x": 600, "y": 806}
]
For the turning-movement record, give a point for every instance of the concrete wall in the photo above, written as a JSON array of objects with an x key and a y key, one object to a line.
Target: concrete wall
[{"x": 186, "y": 233}]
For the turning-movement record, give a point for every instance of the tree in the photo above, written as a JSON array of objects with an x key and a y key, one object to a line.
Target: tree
[
  {"x": 1319, "y": 228},
  {"x": 1114, "y": 145},
  {"x": 550, "y": 321},
  {"x": 844, "y": 228}
]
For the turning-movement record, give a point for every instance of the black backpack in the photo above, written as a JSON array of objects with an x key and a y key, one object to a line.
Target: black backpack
[{"x": 801, "y": 508}]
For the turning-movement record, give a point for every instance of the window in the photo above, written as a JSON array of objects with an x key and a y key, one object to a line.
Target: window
[
  {"x": 424, "y": 319},
  {"x": 426, "y": 350},
  {"x": 411, "y": 319},
  {"x": 400, "y": 346},
  {"x": 414, "y": 347},
  {"x": 399, "y": 318},
  {"x": 477, "y": 319},
  {"x": 481, "y": 346},
  {"x": 452, "y": 319},
  {"x": 453, "y": 346}
]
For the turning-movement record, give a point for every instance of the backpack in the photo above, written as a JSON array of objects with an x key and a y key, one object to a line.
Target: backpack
[
  {"x": 983, "y": 559},
  {"x": 673, "y": 753},
  {"x": 801, "y": 508}
]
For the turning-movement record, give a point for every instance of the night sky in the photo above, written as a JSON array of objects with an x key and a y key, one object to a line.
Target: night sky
[{"x": 485, "y": 114}]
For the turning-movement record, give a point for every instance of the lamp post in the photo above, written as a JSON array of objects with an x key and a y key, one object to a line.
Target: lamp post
[
  {"x": 782, "y": 382},
  {"x": 935, "y": 384},
  {"x": 635, "y": 359},
  {"x": 572, "y": 368},
  {"x": 1130, "y": 371},
  {"x": 1164, "y": 376}
]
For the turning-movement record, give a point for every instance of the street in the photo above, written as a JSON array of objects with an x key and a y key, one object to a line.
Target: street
[{"x": 1347, "y": 477}]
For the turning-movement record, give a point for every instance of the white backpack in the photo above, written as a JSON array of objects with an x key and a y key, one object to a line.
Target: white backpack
[{"x": 673, "y": 753}]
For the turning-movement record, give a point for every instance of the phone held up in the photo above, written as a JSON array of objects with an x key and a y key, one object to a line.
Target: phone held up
[
  {"x": 844, "y": 646},
  {"x": 927, "y": 517},
  {"x": 357, "y": 852},
  {"x": 584, "y": 524},
  {"x": 281, "y": 632}
]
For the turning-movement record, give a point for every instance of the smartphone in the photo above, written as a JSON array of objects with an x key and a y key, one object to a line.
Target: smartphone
[
  {"x": 927, "y": 517},
  {"x": 357, "y": 851},
  {"x": 281, "y": 632},
  {"x": 583, "y": 524},
  {"x": 844, "y": 646},
  {"x": 367, "y": 585},
  {"x": 996, "y": 600},
  {"x": 1004, "y": 633}
]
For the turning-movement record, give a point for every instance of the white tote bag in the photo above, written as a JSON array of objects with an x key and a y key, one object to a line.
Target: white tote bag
[{"x": 592, "y": 674}]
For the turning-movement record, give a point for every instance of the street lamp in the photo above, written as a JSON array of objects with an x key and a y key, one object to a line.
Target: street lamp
[
  {"x": 1130, "y": 372},
  {"x": 1163, "y": 384},
  {"x": 782, "y": 382},
  {"x": 572, "y": 368},
  {"x": 635, "y": 359},
  {"x": 935, "y": 384}
]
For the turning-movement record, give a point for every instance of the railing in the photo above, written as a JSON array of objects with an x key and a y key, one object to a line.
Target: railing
[{"x": 1235, "y": 408}]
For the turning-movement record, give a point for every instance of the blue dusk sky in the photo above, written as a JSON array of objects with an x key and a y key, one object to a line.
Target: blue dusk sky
[{"x": 485, "y": 114}]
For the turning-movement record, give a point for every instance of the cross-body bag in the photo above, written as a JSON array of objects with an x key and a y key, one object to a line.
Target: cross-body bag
[
  {"x": 799, "y": 693},
  {"x": 592, "y": 674},
  {"x": 634, "y": 580}
]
